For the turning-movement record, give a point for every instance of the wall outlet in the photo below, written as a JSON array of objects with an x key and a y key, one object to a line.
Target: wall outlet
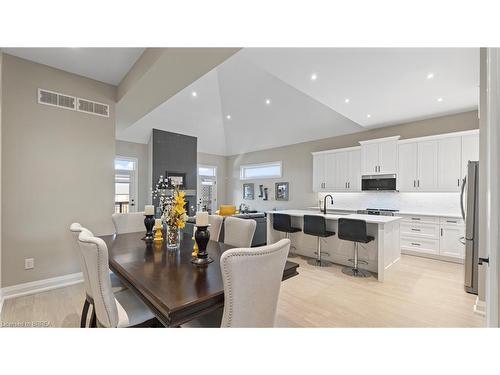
[{"x": 29, "y": 263}]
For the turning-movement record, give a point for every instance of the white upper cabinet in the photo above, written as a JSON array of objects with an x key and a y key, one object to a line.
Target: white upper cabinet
[
  {"x": 407, "y": 159},
  {"x": 470, "y": 151},
  {"x": 379, "y": 156},
  {"x": 337, "y": 170},
  {"x": 354, "y": 182},
  {"x": 427, "y": 171},
  {"x": 318, "y": 172},
  {"x": 449, "y": 164},
  {"x": 330, "y": 164}
]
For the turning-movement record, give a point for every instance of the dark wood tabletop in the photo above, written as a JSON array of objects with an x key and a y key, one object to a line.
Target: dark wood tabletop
[{"x": 169, "y": 284}]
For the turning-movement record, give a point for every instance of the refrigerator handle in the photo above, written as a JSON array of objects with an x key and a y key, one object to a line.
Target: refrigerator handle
[{"x": 462, "y": 197}]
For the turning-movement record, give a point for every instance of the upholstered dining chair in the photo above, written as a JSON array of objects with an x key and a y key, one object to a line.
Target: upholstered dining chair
[
  {"x": 239, "y": 232},
  {"x": 122, "y": 309},
  {"x": 129, "y": 222},
  {"x": 252, "y": 281},
  {"x": 116, "y": 284},
  {"x": 215, "y": 222}
]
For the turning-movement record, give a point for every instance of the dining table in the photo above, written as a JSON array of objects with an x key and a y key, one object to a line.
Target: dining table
[{"x": 176, "y": 290}]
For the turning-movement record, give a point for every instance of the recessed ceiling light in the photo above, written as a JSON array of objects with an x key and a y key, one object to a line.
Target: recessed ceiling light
[
  {"x": 440, "y": 99},
  {"x": 347, "y": 100},
  {"x": 194, "y": 94},
  {"x": 228, "y": 117},
  {"x": 430, "y": 76},
  {"x": 314, "y": 77},
  {"x": 368, "y": 115},
  {"x": 268, "y": 101}
]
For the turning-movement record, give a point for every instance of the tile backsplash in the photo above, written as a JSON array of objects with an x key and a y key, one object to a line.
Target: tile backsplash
[{"x": 437, "y": 203}]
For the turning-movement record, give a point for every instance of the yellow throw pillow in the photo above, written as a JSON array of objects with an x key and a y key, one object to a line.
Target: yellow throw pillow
[{"x": 226, "y": 210}]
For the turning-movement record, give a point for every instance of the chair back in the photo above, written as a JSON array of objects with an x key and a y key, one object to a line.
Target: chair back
[
  {"x": 314, "y": 225},
  {"x": 239, "y": 232},
  {"x": 252, "y": 280},
  {"x": 76, "y": 229},
  {"x": 282, "y": 222},
  {"x": 352, "y": 230},
  {"x": 215, "y": 222},
  {"x": 95, "y": 255},
  {"x": 129, "y": 223}
]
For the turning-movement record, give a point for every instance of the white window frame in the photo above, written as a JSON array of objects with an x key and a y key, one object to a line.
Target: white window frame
[
  {"x": 267, "y": 164},
  {"x": 214, "y": 167}
]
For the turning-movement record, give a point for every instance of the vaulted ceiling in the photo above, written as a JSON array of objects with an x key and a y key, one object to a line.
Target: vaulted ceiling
[{"x": 269, "y": 97}]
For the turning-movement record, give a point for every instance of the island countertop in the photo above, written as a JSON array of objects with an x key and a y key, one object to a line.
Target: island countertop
[{"x": 372, "y": 219}]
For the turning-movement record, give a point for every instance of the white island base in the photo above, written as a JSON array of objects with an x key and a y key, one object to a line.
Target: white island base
[{"x": 379, "y": 254}]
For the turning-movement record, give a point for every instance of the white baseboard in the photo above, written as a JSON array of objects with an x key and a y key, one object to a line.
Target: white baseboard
[{"x": 39, "y": 286}]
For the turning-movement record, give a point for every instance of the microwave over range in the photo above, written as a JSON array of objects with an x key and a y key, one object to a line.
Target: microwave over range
[{"x": 378, "y": 182}]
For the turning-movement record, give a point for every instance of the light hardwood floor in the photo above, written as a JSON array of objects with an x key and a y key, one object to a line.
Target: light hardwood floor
[{"x": 418, "y": 292}]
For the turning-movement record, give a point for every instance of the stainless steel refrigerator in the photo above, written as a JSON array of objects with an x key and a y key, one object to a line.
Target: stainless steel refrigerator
[{"x": 469, "y": 203}]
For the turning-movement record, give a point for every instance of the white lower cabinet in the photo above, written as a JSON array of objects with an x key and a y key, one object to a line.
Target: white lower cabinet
[{"x": 438, "y": 237}]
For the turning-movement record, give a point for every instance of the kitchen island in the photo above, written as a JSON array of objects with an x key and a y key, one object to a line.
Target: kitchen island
[{"x": 379, "y": 254}]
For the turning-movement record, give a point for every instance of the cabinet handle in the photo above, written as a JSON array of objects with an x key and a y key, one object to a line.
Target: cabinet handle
[
  {"x": 415, "y": 244},
  {"x": 415, "y": 229},
  {"x": 418, "y": 183},
  {"x": 415, "y": 218},
  {"x": 458, "y": 182},
  {"x": 414, "y": 183},
  {"x": 441, "y": 232},
  {"x": 451, "y": 221},
  {"x": 349, "y": 184}
]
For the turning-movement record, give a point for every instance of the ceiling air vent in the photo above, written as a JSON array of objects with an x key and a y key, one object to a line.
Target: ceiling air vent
[
  {"x": 56, "y": 99},
  {"x": 94, "y": 108}
]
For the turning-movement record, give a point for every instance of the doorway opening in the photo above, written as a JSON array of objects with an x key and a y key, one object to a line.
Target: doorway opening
[
  {"x": 207, "y": 188},
  {"x": 125, "y": 184}
]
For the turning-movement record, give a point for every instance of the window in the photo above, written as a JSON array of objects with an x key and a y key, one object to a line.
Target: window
[
  {"x": 206, "y": 171},
  {"x": 124, "y": 164},
  {"x": 125, "y": 184},
  {"x": 264, "y": 170}
]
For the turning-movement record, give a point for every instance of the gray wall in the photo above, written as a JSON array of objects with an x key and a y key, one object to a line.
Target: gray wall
[
  {"x": 297, "y": 159},
  {"x": 1, "y": 59},
  {"x": 219, "y": 162},
  {"x": 57, "y": 169},
  {"x": 139, "y": 151}
]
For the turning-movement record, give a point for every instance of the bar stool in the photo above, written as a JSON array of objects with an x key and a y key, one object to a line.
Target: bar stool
[
  {"x": 355, "y": 231},
  {"x": 315, "y": 225},
  {"x": 283, "y": 223}
]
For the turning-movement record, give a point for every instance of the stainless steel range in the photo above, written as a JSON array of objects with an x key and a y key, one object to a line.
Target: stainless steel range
[{"x": 377, "y": 211}]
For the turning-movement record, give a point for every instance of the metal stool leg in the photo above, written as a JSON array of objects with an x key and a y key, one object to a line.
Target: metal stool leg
[
  {"x": 318, "y": 261},
  {"x": 355, "y": 271},
  {"x": 291, "y": 254}
]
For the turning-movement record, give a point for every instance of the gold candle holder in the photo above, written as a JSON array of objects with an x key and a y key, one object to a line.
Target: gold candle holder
[
  {"x": 158, "y": 235},
  {"x": 195, "y": 246}
]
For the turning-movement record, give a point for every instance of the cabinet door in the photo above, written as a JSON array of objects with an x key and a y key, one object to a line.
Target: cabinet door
[
  {"x": 369, "y": 158},
  {"x": 449, "y": 163},
  {"x": 354, "y": 171},
  {"x": 330, "y": 170},
  {"x": 407, "y": 175},
  {"x": 427, "y": 166},
  {"x": 449, "y": 241},
  {"x": 388, "y": 157},
  {"x": 341, "y": 171},
  {"x": 470, "y": 151},
  {"x": 318, "y": 172}
]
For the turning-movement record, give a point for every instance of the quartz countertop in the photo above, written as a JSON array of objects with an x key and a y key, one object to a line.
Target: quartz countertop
[
  {"x": 373, "y": 219},
  {"x": 402, "y": 212}
]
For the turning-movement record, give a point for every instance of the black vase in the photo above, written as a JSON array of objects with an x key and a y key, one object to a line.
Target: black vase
[
  {"x": 202, "y": 236},
  {"x": 149, "y": 222}
]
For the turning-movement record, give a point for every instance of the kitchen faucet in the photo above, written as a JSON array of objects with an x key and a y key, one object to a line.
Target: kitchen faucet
[{"x": 324, "y": 202}]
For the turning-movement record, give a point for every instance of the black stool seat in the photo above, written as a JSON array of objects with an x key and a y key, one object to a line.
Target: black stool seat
[
  {"x": 315, "y": 225},
  {"x": 354, "y": 230},
  {"x": 283, "y": 223}
]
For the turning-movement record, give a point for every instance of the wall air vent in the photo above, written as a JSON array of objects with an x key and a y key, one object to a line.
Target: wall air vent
[
  {"x": 94, "y": 108},
  {"x": 56, "y": 99}
]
